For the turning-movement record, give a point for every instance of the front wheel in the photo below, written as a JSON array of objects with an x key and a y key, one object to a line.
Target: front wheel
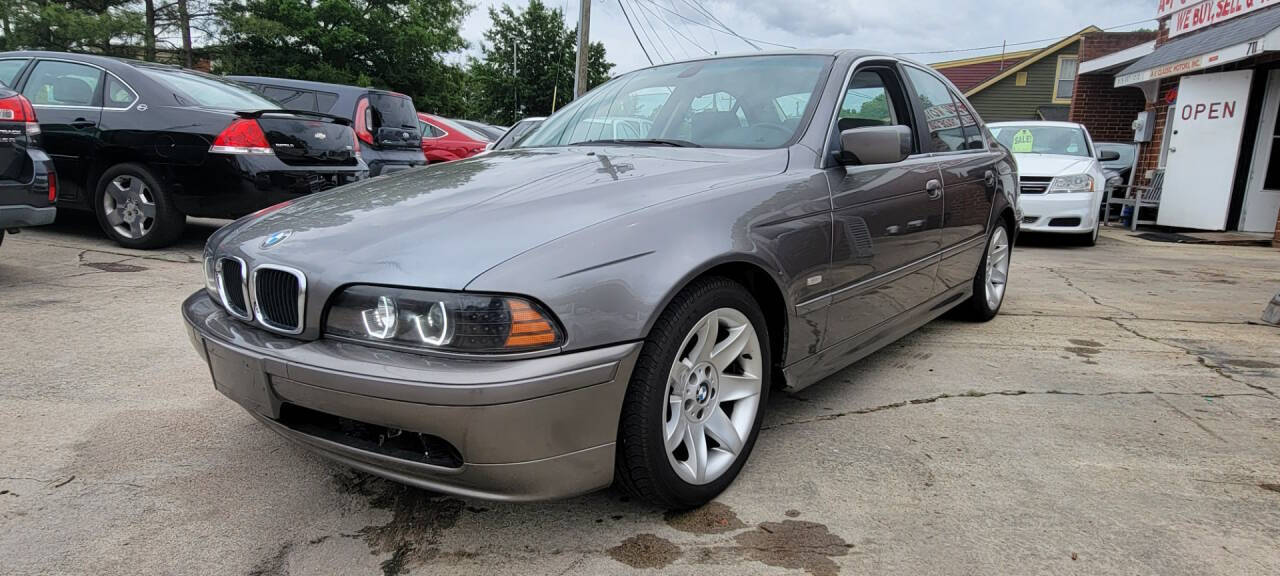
[
  {"x": 134, "y": 209},
  {"x": 1089, "y": 238},
  {"x": 992, "y": 277},
  {"x": 696, "y": 398}
]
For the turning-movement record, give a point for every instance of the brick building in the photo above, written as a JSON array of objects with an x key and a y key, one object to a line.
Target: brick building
[{"x": 1207, "y": 88}]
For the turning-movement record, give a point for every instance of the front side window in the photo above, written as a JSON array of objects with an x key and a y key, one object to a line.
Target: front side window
[
  {"x": 741, "y": 102},
  {"x": 9, "y": 70},
  {"x": 192, "y": 88},
  {"x": 941, "y": 118},
  {"x": 57, "y": 83},
  {"x": 1042, "y": 139},
  {"x": 1066, "y": 81}
]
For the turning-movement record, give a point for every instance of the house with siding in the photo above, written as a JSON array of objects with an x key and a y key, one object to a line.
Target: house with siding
[{"x": 1028, "y": 85}]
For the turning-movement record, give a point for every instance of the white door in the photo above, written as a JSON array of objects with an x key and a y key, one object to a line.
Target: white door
[
  {"x": 1262, "y": 195},
  {"x": 1207, "y": 126}
]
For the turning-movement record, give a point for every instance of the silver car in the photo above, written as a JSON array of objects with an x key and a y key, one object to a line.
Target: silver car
[{"x": 576, "y": 312}]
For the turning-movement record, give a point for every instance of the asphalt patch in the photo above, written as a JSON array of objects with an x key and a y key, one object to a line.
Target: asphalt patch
[
  {"x": 645, "y": 551},
  {"x": 419, "y": 519},
  {"x": 114, "y": 267},
  {"x": 713, "y": 518},
  {"x": 1085, "y": 343},
  {"x": 795, "y": 545},
  {"x": 1247, "y": 363}
]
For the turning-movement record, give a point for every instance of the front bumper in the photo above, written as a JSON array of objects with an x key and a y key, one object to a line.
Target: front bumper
[
  {"x": 529, "y": 429},
  {"x": 1059, "y": 213}
]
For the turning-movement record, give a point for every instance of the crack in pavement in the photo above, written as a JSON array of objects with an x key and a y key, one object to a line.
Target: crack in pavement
[
  {"x": 974, "y": 394},
  {"x": 1095, "y": 299},
  {"x": 1200, "y": 358}
]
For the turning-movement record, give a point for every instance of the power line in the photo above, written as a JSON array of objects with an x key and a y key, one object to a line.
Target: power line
[
  {"x": 715, "y": 29},
  {"x": 658, "y": 45},
  {"x": 697, "y": 5},
  {"x": 663, "y": 20},
  {"x": 633, "y": 33},
  {"x": 994, "y": 46},
  {"x": 690, "y": 30}
]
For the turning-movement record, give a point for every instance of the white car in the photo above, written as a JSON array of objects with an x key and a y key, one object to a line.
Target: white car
[{"x": 1060, "y": 177}]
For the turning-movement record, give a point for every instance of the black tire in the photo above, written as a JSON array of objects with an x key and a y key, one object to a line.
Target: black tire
[
  {"x": 976, "y": 307},
  {"x": 641, "y": 467},
  {"x": 166, "y": 225}
]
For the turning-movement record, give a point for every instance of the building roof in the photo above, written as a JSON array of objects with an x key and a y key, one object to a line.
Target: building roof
[
  {"x": 966, "y": 74},
  {"x": 1235, "y": 31},
  {"x": 1038, "y": 56}
]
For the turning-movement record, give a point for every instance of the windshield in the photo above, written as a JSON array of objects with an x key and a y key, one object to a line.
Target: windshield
[
  {"x": 196, "y": 89},
  {"x": 747, "y": 102},
  {"x": 1041, "y": 139}
]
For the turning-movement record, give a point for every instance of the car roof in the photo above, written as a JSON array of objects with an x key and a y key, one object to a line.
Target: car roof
[
  {"x": 88, "y": 58},
  {"x": 308, "y": 84},
  {"x": 1036, "y": 123}
]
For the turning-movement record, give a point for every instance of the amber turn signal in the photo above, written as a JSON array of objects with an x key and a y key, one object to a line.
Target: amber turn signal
[{"x": 529, "y": 328}]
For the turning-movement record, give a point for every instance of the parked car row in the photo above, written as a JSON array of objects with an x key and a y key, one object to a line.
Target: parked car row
[{"x": 143, "y": 145}]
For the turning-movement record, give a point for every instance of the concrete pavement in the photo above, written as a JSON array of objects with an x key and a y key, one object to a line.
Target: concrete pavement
[{"x": 1119, "y": 416}]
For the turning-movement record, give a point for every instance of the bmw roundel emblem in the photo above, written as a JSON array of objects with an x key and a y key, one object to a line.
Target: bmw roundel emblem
[{"x": 276, "y": 238}]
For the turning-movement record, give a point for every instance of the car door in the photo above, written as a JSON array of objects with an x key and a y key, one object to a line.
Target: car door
[
  {"x": 968, "y": 168},
  {"x": 887, "y": 218},
  {"x": 67, "y": 97}
]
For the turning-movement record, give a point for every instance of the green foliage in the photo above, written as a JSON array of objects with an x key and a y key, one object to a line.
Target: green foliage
[
  {"x": 527, "y": 62},
  {"x": 99, "y": 26},
  {"x": 393, "y": 44}
]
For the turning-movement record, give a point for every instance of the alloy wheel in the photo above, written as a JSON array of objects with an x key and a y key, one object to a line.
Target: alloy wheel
[
  {"x": 713, "y": 396},
  {"x": 129, "y": 206},
  {"x": 997, "y": 267}
]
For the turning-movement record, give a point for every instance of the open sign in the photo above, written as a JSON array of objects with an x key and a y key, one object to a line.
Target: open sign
[{"x": 1208, "y": 110}]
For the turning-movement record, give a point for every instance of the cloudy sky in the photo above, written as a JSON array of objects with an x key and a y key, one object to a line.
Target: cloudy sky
[{"x": 899, "y": 26}]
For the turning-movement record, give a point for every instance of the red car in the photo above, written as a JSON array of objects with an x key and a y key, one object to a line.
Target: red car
[{"x": 444, "y": 140}]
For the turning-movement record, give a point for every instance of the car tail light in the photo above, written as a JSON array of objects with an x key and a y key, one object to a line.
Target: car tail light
[
  {"x": 53, "y": 187},
  {"x": 17, "y": 108},
  {"x": 243, "y": 136},
  {"x": 364, "y": 118},
  {"x": 355, "y": 146}
]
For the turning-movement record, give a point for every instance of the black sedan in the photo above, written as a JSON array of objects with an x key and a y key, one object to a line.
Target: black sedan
[
  {"x": 145, "y": 145},
  {"x": 28, "y": 184}
]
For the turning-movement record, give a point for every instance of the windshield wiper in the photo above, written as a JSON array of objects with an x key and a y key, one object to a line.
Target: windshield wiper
[{"x": 642, "y": 142}]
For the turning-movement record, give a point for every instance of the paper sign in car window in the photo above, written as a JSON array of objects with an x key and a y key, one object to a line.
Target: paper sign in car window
[{"x": 1022, "y": 141}]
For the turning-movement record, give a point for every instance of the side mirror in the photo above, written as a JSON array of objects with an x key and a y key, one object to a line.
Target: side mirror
[
  {"x": 1108, "y": 155},
  {"x": 875, "y": 145}
]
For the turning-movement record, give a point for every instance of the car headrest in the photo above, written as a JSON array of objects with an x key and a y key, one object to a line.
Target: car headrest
[
  {"x": 851, "y": 123},
  {"x": 69, "y": 90},
  {"x": 710, "y": 123}
]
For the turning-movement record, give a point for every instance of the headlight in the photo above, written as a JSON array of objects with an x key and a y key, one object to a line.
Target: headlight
[
  {"x": 211, "y": 274},
  {"x": 1073, "y": 183},
  {"x": 444, "y": 321}
]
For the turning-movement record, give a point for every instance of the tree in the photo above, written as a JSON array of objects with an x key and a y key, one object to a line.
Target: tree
[
  {"x": 527, "y": 64},
  {"x": 394, "y": 44},
  {"x": 99, "y": 26}
]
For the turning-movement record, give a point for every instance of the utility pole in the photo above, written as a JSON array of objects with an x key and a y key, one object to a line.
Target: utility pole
[{"x": 580, "y": 75}]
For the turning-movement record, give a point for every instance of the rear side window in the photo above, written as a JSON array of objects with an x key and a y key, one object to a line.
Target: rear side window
[
  {"x": 9, "y": 70},
  {"x": 941, "y": 119},
  {"x": 325, "y": 101},
  {"x": 291, "y": 98},
  {"x": 117, "y": 95},
  {"x": 196, "y": 89},
  {"x": 62, "y": 84},
  {"x": 430, "y": 131},
  {"x": 392, "y": 111},
  {"x": 969, "y": 122}
]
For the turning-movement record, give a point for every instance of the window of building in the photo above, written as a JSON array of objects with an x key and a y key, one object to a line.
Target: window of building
[
  {"x": 1020, "y": 79},
  {"x": 1066, "y": 81},
  {"x": 1167, "y": 135}
]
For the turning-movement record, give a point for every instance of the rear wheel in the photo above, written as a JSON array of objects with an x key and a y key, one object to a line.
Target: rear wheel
[
  {"x": 134, "y": 209},
  {"x": 695, "y": 402},
  {"x": 993, "y": 274}
]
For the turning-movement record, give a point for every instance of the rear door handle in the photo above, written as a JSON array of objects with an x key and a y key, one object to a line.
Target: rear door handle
[
  {"x": 934, "y": 188},
  {"x": 81, "y": 123}
]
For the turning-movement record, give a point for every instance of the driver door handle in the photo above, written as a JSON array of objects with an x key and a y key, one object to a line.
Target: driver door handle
[{"x": 934, "y": 188}]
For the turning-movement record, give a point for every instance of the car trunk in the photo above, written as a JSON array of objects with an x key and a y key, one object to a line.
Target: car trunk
[
  {"x": 14, "y": 162},
  {"x": 394, "y": 122},
  {"x": 309, "y": 141}
]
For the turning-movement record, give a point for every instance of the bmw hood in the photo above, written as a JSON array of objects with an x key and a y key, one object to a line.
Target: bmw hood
[
  {"x": 1049, "y": 165},
  {"x": 442, "y": 225}
]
